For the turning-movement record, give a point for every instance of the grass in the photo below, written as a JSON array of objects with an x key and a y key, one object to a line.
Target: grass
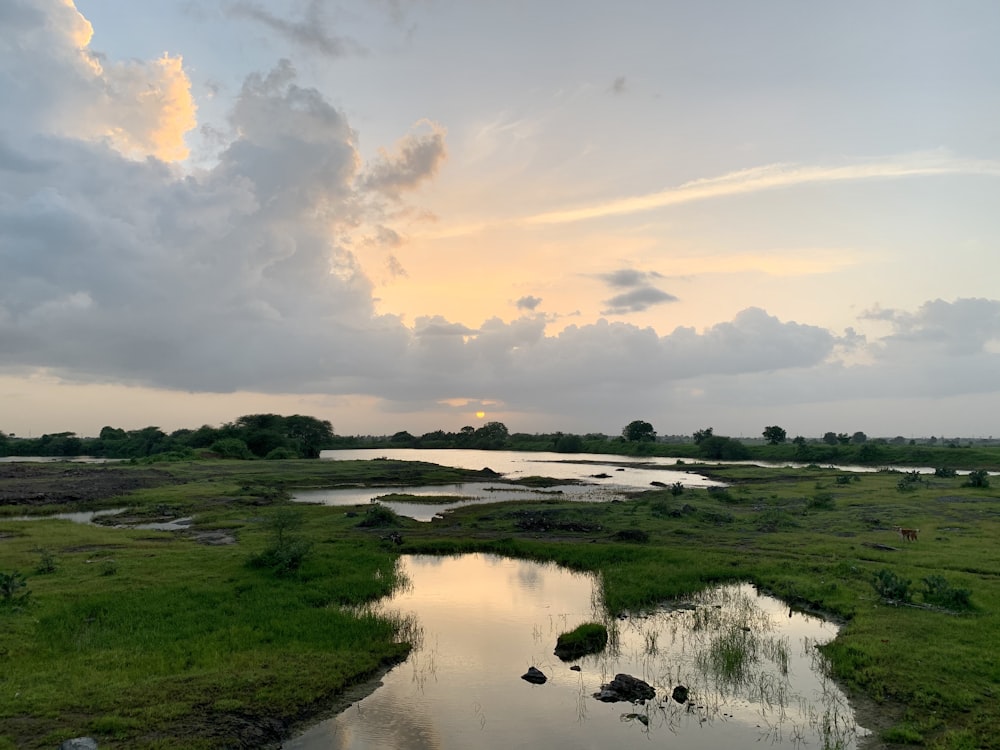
[
  {"x": 588, "y": 638},
  {"x": 188, "y": 646}
]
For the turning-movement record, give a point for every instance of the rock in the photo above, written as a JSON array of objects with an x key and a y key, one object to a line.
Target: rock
[
  {"x": 79, "y": 743},
  {"x": 575, "y": 668},
  {"x": 680, "y": 694},
  {"x": 535, "y": 676},
  {"x": 625, "y": 688},
  {"x": 658, "y": 484}
]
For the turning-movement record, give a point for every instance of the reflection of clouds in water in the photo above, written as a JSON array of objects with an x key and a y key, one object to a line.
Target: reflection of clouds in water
[{"x": 486, "y": 619}]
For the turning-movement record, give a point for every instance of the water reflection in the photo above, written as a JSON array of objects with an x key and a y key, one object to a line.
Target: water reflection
[{"x": 753, "y": 671}]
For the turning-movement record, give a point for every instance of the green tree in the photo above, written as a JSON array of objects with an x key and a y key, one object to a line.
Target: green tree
[
  {"x": 725, "y": 448},
  {"x": 639, "y": 431},
  {"x": 569, "y": 444},
  {"x": 491, "y": 436},
  {"x": 702, "y": 435},
  {"x": 830, "y": 438},
  {"x": 859, "y": 438},
  {"x": 774, "y": 435}
]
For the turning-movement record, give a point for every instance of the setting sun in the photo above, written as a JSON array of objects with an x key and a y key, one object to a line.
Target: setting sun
[{"x": 480, "y": 414}]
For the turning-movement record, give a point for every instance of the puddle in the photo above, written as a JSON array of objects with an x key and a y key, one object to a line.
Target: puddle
[{"x": 751, "y": 667}]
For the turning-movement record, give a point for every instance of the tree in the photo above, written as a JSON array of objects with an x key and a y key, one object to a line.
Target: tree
[
  {"x": 492, "y": 436},
  {"x": 830, "y": 438},
  {"x": 569, "y": 444},
  {"x": 725, "y": 448},
  {"x": 859, "y": 438},
  {"x": 774, "y": 435},
  {"x": 701, "y": 435},
  {"x": 639, "y": 432}
]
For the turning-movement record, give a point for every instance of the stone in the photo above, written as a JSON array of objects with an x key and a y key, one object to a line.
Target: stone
[
  {"x": 625, "y": 688},
  {"x": 680, "y": 694},
  {"x": 535, "y": 676}
]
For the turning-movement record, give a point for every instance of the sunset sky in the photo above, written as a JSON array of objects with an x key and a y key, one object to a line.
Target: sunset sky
[{"x": 562, "y": 215}]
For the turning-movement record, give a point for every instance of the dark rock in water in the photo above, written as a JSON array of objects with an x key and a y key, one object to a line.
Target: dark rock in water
[
  {"x": 535, "y": 676},
  {"x": 680, "y": 694},
  {"x": 602, "y": 475},
  {"x": 619, "y": 469},
  {"x": 79, "y": 743},
  {"x": 575, "y": 668},
  {"x": 625, "y": 688},
  {"x": 486, "y": 471},
  {"x": 658, "y": 484}
]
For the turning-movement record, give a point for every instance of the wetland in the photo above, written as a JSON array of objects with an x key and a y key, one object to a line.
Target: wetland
[{"x": 150, "y": 638}]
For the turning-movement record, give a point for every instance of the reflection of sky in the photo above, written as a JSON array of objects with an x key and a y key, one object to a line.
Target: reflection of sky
[{"x": 485, "y": 620}]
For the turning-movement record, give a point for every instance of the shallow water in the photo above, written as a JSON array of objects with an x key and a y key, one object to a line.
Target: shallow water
[
  {"x": 483, "y": 620},
  {"x": 604, "y": 479}
]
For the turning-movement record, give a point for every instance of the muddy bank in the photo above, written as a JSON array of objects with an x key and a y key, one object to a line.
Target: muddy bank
[{"x": 33, "y": 485}]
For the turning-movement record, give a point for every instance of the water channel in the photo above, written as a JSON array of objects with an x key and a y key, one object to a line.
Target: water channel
[
  {"x": 480, "y": 621},
  {"x": 605, "y": 478}
]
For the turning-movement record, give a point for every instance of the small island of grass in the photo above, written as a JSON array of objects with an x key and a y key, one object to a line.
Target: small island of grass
[{"x": 589, "y": 638}]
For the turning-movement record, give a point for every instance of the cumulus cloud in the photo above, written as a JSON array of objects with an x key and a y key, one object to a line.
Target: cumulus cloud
[
  {"x": 241, "y": 277},
  {"x": 57, "y": 84}
]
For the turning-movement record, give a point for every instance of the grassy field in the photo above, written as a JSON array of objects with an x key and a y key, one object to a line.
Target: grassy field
[{"x": 173, "y": 640}]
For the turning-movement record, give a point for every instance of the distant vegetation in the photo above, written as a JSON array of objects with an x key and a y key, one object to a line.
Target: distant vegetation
[{"x": 272, "y": 436}]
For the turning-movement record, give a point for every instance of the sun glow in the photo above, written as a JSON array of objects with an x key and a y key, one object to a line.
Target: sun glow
[{"x": 480, "y": 414}]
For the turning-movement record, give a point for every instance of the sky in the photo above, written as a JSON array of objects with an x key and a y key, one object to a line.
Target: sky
[{"x": 561, "y": 215}]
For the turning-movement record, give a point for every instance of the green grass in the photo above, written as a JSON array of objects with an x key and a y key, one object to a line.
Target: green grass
[
  {"x": 588, "y": 638},
  {"x": 186, "y": 645}
]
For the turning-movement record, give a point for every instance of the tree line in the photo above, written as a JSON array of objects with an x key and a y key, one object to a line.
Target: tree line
[{"x": 250, "y": 436}]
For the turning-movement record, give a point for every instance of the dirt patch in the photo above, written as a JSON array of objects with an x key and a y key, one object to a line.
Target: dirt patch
[{"x": 27, "y": 484}]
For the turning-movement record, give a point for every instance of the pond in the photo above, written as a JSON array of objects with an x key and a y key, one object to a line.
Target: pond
[{"x": 751, "y": 666}]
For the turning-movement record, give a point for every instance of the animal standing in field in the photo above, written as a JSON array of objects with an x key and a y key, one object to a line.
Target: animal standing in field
[{"x": 910, "y": 535}]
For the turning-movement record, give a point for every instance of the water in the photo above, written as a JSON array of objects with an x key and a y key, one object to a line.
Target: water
[
  {"x": 606, "y": 478},
  {"x": 482, "y": 620}
]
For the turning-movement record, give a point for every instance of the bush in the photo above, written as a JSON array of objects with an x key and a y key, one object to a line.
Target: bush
[
  {"x": 287, "y": 551},
  {"x": 938, "y": 591},
  {"x": 231, "y": 448},
  {"x": 823, "y": 501},
  {"x": 978, "y": 478},
  {"x": 631, "y": 535},
  {"x": 13, "y": 589},
  {"x": 945, "y": 473},
  {"x": 379, "y": 516},
  {"x": 677, "y": 489},
  {"x": 891, "y": 587},
  {"x": 280, "y": 454}
]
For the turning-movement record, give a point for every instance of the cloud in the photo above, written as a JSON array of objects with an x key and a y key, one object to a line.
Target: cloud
[
  {"x": 774, "y": 177},
  {"x": 311, "y": 32},
  {"x": 54, "y": 81},
  {"x": 641, "y": 295},
  {"x": 618, "y": 86},
  {"x": 636, "y": 300},
  {"x": 240, "y": 277},
  {"x": 414, "y": 159},
  {"x": 628, "y": 277}
]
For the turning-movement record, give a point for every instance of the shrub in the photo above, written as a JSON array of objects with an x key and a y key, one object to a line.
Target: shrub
[
  {"x": 823, "y": 501},
  {"x": 939, "y": 591},
  {"x": 978, "y": 478},
  {"x": 13, "y": 589},
  {"x": 279, "y": 454},
  {"x": 945, "y": 473},
  {"x": 677, "y": 489},
  {"x": 287, "y": 551},
  {"x": 231, "y": 448},
  {"x": 46, "y": 562},
  {"x": 379, "y": 516},
  {"x": 891, "y": 587}
]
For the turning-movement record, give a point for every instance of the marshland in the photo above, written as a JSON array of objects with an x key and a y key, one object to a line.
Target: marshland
[{"x": 254, "y": 618}]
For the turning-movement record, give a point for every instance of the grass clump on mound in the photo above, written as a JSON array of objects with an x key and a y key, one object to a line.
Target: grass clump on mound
[{"x": 589, "y": 638}]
